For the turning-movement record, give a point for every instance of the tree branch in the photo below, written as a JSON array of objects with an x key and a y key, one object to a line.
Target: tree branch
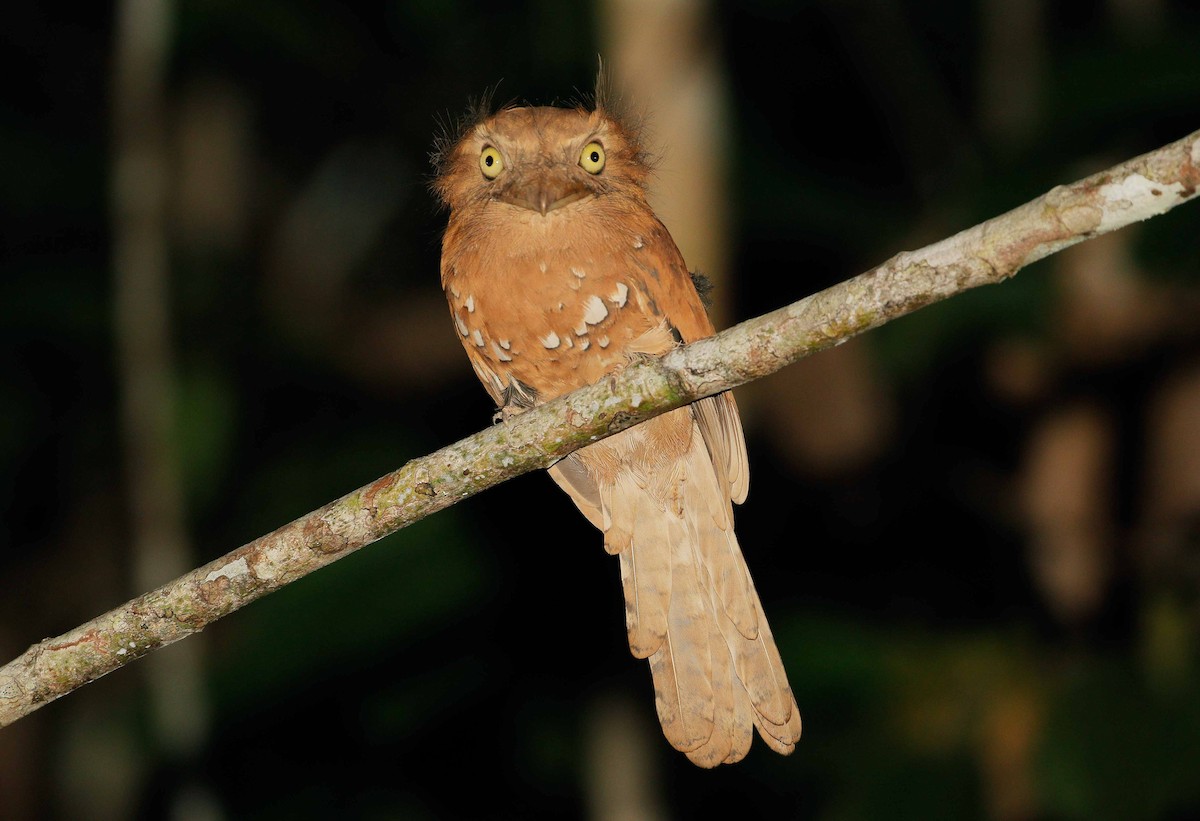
[{"x": 991, "y": 252}]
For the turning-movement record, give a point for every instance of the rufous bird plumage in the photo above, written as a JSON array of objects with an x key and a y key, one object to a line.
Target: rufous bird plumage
[{"x": 558, "y": 272}]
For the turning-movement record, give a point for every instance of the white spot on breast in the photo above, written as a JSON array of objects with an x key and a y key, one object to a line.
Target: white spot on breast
[
  {"x": 550, "y": 340},
  {"x": 500, "y": 353},
  {"x": 584, "y": 344},
  {"x": 470, "y": 303},
  {"x": 581, "y": 329},
  {"x": 570, "y": 342},
  {"x": 478, "y": 337},
  {"x": 505, "y": 344},
  {"x": 458, "y": 323},
  {"x": 602, "y": 342},
  {"x": 561, "y": 306},
  {"x": 454, "y": 291},
  {"x": 594, "y": 310},
  {"x": 542, "y": 266},
  {"x": 637, "y": 241},
  {"x": 578, "y": 272},
  {"x": 618, "y": 296}
]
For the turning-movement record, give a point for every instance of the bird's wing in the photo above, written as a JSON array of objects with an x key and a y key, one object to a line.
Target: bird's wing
[{"x": 665, "y": 288}]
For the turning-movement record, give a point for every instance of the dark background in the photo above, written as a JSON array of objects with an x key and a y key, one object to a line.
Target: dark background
[{"x": 975, "y": 531}]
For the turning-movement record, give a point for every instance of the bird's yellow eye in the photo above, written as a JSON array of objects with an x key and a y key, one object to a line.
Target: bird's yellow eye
[
  {"x": 592, "y": 158},
  {"x": 491, "y": 163}
]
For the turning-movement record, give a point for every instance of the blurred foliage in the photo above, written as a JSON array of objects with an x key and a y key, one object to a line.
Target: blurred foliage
[{"x": 445, "y": 672}]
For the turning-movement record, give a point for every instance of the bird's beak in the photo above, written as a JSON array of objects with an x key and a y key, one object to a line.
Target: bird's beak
[{"x": 544, "y": 192}]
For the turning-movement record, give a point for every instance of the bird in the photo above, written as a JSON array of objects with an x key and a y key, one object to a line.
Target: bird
[{"x": 558, "y": 273}]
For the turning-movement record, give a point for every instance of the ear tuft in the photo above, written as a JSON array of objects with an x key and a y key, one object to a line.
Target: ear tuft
[
  {"x": 613, "y": 106},
  {"x": 450, "y": 132}
]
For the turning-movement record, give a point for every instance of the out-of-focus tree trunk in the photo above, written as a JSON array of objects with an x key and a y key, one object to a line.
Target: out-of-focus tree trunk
[
  {"x": 622, "y": 779},
  {"x": 663, "y": 60},
  {"x": 145, "y": 370},
  {"x": 1068, "y": 495}
]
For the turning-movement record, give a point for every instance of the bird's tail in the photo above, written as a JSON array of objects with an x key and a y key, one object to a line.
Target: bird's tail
[{"x": 691, "y": 607}]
